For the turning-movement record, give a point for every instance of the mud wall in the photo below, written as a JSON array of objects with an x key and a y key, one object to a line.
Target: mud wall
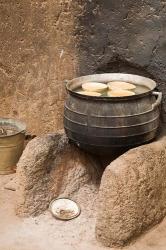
[{"x": 37, "y": 54}]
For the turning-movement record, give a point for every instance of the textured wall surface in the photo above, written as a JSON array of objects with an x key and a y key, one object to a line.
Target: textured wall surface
[
  {"x": 37, "y": 54},
  {"x": 44, "y": 42},
  {"x": 123, "y": 34}
]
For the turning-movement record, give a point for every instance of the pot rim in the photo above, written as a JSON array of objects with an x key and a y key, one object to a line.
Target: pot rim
[{"x": 104, "y": 78}]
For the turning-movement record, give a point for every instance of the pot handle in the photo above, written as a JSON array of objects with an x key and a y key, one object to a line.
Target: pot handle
[
  {"x": 66, "y": 82},
  {"x": 158, "y": 100}
]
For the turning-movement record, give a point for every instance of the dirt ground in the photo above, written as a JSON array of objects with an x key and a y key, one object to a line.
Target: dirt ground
[{"x": 45, "y": 232}]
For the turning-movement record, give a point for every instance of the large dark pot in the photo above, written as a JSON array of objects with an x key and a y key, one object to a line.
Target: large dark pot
[{"x": 99, "y": 123}]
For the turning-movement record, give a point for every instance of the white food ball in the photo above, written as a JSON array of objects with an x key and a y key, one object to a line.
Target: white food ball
[
  {"x": 94, "y": 86},
  {"x": 121, "y": 85},
  {"x": 89, "y": 93}
]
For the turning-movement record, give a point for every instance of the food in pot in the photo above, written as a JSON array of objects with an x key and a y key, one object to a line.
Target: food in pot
[
  {"x": 115, "y": 86},
  {"x": 94, "y": 86},
  {"x": 89, "y": 93},
  {"x": 64, "y": 209},
  {"x": 120, "y": 93},
  {"x": 121, "y": 85}
]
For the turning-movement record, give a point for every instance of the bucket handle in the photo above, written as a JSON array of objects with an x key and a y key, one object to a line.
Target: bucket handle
[{"x": 158, "y": 100}]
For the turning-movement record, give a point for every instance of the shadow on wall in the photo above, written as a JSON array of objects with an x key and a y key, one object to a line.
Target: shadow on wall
[
  {"x": 123, "y": 36},
  {"x": 122, "y": 66}
]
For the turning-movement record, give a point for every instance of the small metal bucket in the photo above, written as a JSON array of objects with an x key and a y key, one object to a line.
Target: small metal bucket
[{"x": 11, "y": 145}]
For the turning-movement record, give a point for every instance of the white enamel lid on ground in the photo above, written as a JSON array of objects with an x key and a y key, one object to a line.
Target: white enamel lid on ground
[{"x": 64, "y": 209}]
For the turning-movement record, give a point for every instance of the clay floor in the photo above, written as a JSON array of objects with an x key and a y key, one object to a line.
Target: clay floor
[{"x": 44, "y": 232}]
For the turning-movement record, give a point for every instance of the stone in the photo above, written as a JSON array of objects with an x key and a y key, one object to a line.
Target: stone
[
  {"x": 132, "y": 196},
  {"x": 50, "y": 167},
  {"x": 12, "y": 184}
]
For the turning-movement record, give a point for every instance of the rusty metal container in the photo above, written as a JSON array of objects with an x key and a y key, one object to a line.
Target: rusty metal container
[
  {"x": 11, "y": 144},
  {"x": 99, "y": 124}
]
